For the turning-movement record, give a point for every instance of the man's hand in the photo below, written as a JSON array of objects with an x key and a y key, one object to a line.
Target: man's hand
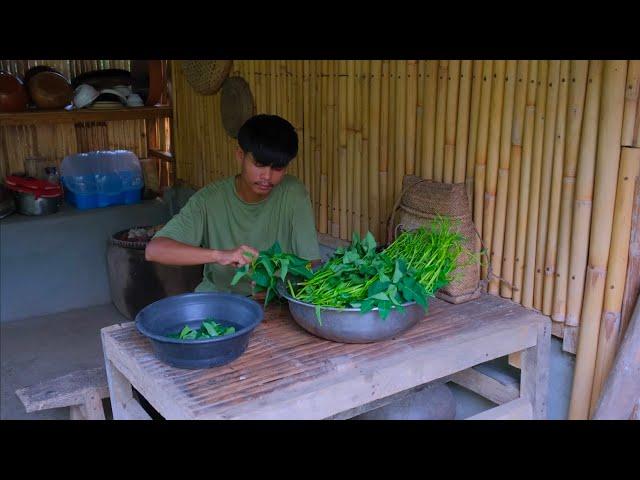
[{"x": 237, "y": 257}]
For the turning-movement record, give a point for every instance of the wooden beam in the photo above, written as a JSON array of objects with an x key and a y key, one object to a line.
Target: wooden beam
[
  {"x": 83, "y": 115},
  {"x": 486, "y": 386},
  {"x": 519, "y": 409}
]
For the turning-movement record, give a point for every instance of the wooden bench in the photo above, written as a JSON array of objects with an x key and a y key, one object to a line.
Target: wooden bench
[{"x": 82, "y": 391}]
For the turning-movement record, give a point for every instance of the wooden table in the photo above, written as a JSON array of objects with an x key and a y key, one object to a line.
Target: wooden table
[{"x": 287, "y": 373}]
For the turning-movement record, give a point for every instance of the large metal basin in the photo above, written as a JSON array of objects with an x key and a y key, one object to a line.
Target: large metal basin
[{"x": 348, "y": 325}]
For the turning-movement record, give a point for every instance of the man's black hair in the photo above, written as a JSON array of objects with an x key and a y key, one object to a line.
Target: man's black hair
[{"x": 270, "y": 139}]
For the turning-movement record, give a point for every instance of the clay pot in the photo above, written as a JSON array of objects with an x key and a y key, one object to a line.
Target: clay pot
[
  {"x": 50, "y": 90},
  {"x": 13, "y": 94}
]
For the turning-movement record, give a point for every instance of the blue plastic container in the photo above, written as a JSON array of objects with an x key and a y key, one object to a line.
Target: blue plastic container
[{"x": 102, "y": 178}]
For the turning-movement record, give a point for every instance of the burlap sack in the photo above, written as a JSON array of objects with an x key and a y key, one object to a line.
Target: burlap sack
[{"x": 421, "y": 202}]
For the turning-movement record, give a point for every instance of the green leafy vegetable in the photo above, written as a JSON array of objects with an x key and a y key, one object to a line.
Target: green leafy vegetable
[{"x": 208, "y": 329}]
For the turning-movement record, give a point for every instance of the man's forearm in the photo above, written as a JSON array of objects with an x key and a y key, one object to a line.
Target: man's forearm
[{"x": 171, "y": 252}]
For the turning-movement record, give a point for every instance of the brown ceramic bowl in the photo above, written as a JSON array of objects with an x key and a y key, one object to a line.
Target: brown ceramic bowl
[
  {"x": 50, "y": 90},
  {"x": 13, "y": 94}
]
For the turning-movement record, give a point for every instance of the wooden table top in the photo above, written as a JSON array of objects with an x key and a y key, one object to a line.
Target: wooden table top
[{"x": 288, "y": 373}]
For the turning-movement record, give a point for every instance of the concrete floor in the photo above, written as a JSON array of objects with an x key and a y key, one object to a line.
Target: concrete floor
[{"x": 40, "y": 348}]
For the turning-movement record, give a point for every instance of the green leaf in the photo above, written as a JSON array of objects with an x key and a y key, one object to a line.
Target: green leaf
[
  {"x": 185, "y": 331},
  {"x": 380, "y": 296},
  {"x": 413, "y": 291},
  {"x": 369, "y": 242},
  {"x": 367, "y": 305},
  {"x": 229, "y": 330},
  {"x": 242, "y": 271},
  {"x": 397, "y": 274},
  {"x": 385, "y": 309},
  {"x": 284, "y": 266},
  {"x": 211, "y": 330},
  {"x": 268, "y": 265},
  {"x": 377, "y": 287},
  {"x": 261, "y": 279}
]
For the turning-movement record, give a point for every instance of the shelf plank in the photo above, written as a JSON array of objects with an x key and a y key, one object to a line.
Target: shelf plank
[{"x": 84, "y": 115}]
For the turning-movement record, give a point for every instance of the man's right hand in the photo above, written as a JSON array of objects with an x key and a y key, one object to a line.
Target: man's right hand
[{"x": 237, "y": 257}]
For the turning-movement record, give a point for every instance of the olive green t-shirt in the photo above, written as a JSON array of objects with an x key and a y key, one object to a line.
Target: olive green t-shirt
[{"x": 216, "y": 217}]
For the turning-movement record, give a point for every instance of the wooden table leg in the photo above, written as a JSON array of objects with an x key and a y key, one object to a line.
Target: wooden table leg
[
  {"x": 123, "y": 405},
  {"x": 534, "y": 379}
]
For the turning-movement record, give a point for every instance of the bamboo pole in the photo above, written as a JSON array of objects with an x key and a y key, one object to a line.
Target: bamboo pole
[
  {"x": 462, "y": 124},
  {"x": 392, "y": 138},
  {"x": 497, "y": 242},
  {"x": 420, "y": 113},
  {"x": 476, "y": 90},
  {"x": 631, "y": 109},
  {"x": 575, "y": 108},
  {"x": 453, "y": 86},
  {"x": 493, "y": 153},
  {"x": 366, "y": 163},
  {"x": 481, "y": 147},
  {"x": 374, "y": 148},
  {"x": 534, "y": 199},
  {"x": 609, "y": 335},
  {"x": 384, "y": 145},
  {"x": 324, "y": 179},
  {"x": 525, "y": 180},
  {"x": 410, "y": 120},
  {"x": 556, "y": 190},
  {"x": 607, "y": 161},
  {"x": 358, "y": 167},
  {"x": 342, "y": 145},
  {"x": 306, "y": 130},
  {"x": 314, "y": 138},
  {"x": 429, "y": 124},
  {"x": 545, "y": 180},
  {"x": 400, "y": 127},
  {"x": 350, "y": 146},
  {"x": 509, "y": 247},
  {"x": 632, "y": 281},
  {"x": 441, "y": 105}
]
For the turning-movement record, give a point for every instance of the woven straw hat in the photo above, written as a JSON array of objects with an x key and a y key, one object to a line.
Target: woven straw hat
[
  {"x": 236, "y": 104},
  {"x": 206, "y": 76}
]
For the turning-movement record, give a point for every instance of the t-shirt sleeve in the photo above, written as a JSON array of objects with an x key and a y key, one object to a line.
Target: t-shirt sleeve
[
  {"x": 188, "y": 225},
  {"x": 304, "y": 236}
]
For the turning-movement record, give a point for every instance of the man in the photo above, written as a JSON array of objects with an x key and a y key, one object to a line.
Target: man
[{"x": 228, "y": 221}]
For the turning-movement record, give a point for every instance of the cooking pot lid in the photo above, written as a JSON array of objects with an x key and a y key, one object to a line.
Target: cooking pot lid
[{"x": 39, "y": 188}]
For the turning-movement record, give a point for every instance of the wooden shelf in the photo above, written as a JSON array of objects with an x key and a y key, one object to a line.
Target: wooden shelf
[{"x": 85, "y": 115}]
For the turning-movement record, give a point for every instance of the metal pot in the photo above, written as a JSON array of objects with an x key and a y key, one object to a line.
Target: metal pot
[{"x": 28, "y": 204}]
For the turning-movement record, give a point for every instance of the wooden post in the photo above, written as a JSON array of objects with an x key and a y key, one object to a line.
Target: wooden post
[
  {"x": 503, "y": 176},
  {"x": 608, "y": 337},
  {"x": 607, "y": 160}
]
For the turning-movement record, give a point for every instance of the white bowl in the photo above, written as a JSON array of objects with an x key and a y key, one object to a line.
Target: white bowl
[
  {"x": 134, "y": 100},
  {"x": 84, "y": 95}
]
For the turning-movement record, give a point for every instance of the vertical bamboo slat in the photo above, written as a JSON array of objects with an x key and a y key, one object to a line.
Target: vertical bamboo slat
[
  {"x": 324, "y": 180},
  {"x": 342, "y": 146},
  {"x": 575, "y": 108},
  {"x": 609, "y": 335},
  {"x": 476, "y": 90},
  {"x": 400, "y": 127},
  {"x": 391, "y": 141},
  {"x": 441, "y": 105},
  {"x": 358, "y": 167},
  {"x": 366, "y": 162},
  {"x": 607, "y": 161},
  {"x": 332, "y": 151},
  {"x": 420, "y": 113},
  {"x": 493, "y": 154},
  {"x": 525, "y": 180},
  {"x": 534, "y": 198},
  {"x": 453, "y": 84},
  {"x": 481, "y": 147},
  {"x": 429, "y": 124},
  {"x": 497, "y": 236},
  {"x": 374, "y": 149},
  {"x": 410, "y": 120},
  {"x": 384, "y": 145},
  {"x": 556, "y": 189},
  {"x": 632, "y": 281},
  {"x": 631, "y": 108},
  {"x": 545, "y": 180},
  {"x": 462, "y": 123},
  {"x": 509, "y": 246}
]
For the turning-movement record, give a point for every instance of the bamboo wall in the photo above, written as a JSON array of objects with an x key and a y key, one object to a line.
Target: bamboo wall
[
  {"x": 549, "y": 151},
  {"x": 54, "y": 141}
]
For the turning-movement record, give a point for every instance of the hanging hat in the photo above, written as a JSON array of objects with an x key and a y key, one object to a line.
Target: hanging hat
[
  {"x": 236, "y": 104},
  {"x": 206, "y": 76}
]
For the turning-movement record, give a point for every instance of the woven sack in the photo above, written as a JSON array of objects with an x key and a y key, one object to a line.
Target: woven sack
[
  {"x": 206, "y": 76},
  {"x": 421, "y": 202}
]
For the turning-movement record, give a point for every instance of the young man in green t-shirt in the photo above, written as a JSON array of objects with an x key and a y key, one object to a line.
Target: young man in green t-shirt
[{"x": 243, "y": 213}]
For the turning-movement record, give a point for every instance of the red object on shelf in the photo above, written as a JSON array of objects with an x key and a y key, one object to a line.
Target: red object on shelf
[{"x": 39, "y": 188}]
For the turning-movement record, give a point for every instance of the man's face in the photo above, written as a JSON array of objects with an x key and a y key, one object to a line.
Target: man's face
[{"x": 260, "y": 179}]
